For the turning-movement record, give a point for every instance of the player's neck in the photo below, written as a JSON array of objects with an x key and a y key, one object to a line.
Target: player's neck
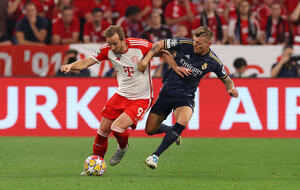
[{"x": 125, "y": 49}]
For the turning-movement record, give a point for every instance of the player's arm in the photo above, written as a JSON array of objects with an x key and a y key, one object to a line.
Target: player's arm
[
  {"x": 155, "y": 49},
  {"x": 230, "y": 87},
  {"x": 78, "y": 65},
  {"x": 181, "y": 71}
]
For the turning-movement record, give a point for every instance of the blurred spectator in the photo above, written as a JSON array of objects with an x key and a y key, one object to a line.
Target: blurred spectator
[
  {"x": 245, "y": 29},
  {"x": 4, "y": 39},
  {"x": 295, "y": 19},
  {"x": 32, "y": 29},
  {"x": 264, "y": 10},
  {"x": 287, "y": 65},
  {"x": 70, "y": 57},
  {"x": 15, "y": 8},
  {"x": 66, "y": 29},
  {"x": 229, "y": 9},
  {"x": 131, "y": 23},
  {"x": 156, "y": 31},
  {"x": 44, "y": 8},
  {"x": 209, "y": 17},
  {"x": 275, "y": 29},
  {"x": 57, "y": 10},
  {"x": 120, "y": 7},
  {"x": 102, "y": 4},
  {"x": 15, "y": 11},
  {"x": 180, "y": 12},
  {"x": 181, "y": 32},
  {"x": 93, "y": 30},
  {"x": 240, "y": 66},
  {"x": 157, "y": 6}
]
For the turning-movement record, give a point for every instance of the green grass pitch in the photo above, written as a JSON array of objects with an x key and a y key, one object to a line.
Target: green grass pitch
[{"x": 39, "y": 163}]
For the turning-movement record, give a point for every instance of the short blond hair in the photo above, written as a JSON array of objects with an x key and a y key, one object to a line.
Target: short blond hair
[
  {"x": 204, "y": 31},
  {"x": 113, "y": 29}
]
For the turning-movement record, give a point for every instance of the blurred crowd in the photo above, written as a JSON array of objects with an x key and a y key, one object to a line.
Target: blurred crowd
[{"x": 244, "y": 22}]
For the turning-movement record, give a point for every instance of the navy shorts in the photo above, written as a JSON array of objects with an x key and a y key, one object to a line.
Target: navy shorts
[{"x": 165, "y": 103}]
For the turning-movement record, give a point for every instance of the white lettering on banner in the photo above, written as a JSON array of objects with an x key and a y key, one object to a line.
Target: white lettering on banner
[
  {"x": 250, "y": 116},
  {"x": 272, "y": 108},
  {"x": 40, "y": 62},
  {"x": 75, "y": 106},
  {"x": 56, "y": 60},
  {"x": 12, "y": 108},
  {"x": 7, "y": 63},
  {"x": 291, "y": 108},
  {"x": 43, "y": 70},
  {"x": 32, "y": 109}
]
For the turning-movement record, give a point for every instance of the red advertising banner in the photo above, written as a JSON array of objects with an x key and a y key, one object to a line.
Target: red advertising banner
[
  {"x": 25, "y": 60},
  {"x": 72, "y": 106}
]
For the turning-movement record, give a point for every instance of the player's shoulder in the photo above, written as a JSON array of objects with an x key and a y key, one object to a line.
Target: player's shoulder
[
  {"x": 214, "y": 58},
  {"x": 137, "y": 42},
  {"x": 178, "y": 43},
  {"x": 103, "y": 49}
]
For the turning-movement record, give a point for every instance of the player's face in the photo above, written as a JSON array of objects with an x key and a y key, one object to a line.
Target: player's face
[
  {"x": 116, "y": 45},
  {"x": 201, "y": 45}
]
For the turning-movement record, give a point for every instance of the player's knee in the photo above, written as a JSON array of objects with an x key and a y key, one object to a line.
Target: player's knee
[{"x": 149, "y": 131}]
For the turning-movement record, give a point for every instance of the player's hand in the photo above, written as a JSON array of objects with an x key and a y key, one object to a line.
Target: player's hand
[
  {"x": 182, "y": 71},
  {"x": 66, "y": 68},
  {"x": 233, "y": 93}
]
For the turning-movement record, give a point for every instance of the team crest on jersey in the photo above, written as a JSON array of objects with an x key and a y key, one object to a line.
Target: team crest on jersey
[
  {"x": 204, "y": 66},
  {"x": 174, "y": 42},
  {"x": 135, "y": 59},
  {"x": 98, "y": 51}
]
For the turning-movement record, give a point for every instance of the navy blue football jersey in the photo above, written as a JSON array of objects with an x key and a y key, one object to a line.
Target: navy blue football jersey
[{"x": 199, "y": 64}]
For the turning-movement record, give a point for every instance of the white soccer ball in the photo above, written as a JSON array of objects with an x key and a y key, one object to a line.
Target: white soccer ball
[{"x": 94, "y": 166}]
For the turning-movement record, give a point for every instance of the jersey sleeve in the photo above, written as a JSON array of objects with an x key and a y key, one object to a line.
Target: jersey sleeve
[
  {"x": 176, "y": 43},
  {"x": 101, "y": 53},
  {"x": 219, "y": 70}
]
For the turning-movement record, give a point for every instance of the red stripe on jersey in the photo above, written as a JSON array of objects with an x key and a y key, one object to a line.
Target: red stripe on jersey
[{"x": 141, "y": 44}]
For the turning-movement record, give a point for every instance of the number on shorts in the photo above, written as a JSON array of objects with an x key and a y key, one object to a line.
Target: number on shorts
[{"x": 140, "y": 111}]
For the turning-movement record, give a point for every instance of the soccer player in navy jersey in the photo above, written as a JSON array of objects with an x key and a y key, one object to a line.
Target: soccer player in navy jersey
[{"x": 178, "y": 93}]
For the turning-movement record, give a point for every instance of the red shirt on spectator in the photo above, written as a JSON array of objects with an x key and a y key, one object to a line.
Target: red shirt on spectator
[
  {"x": 175, "y": 10},
  {"x": 277, "y": 30},
  {"x": 104, "y": 5},
  {"x": 291, "y": 5},
  {"x": 263, "y": 12},
  {"x": 19, "y": 13},
  {"x": 244, "y": 35},
  {"x": 64, "y": 32},
  {"x": 95, "y": 34},
  {"x": 80, "y": 5},
  {"x": 121, "y": 5},
  {"x": 56, "y": 14},
  {"x": 44, "y": 7},
  {"x": 134, "y": 30},
  {"x": 232, "y": 15}
]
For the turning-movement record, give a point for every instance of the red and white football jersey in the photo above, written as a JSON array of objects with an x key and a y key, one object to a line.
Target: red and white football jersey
[{"x": 133, "y": 84}]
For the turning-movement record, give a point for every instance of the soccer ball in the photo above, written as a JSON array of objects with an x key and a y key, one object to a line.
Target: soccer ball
[{"x": 94, "y": 165}]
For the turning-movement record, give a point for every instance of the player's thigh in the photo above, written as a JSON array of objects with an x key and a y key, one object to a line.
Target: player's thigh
[
  {"x": 123, "y": 121},
  {"x": 183, "y": 115},
  {"x": 106, "y": 125},
  {"x": 153, "y": 122}
]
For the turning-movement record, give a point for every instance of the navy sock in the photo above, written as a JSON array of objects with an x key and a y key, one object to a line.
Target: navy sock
[
  {"x": 163, "y": 129},
  {"x": 169, "y": 138}
]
